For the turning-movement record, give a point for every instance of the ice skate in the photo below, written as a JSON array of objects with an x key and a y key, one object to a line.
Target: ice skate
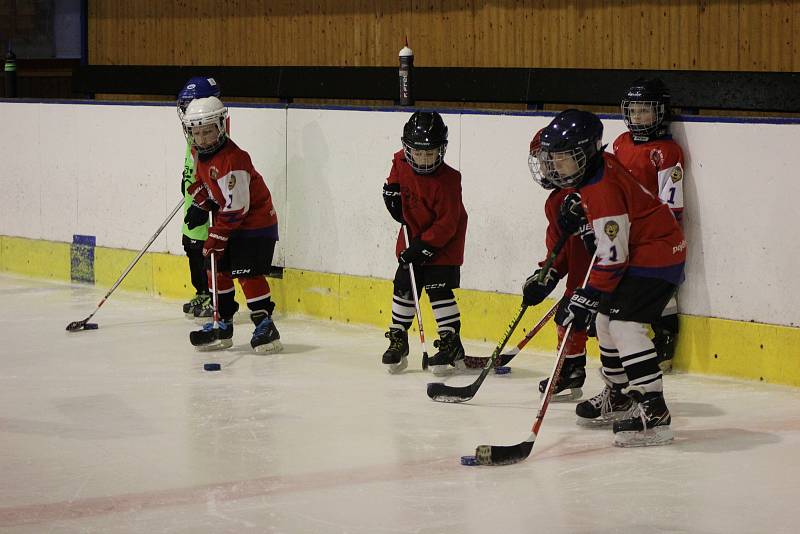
[
  {"x": 209, "y": 338},
  {"x": 396, "y": 356},
  {"x": 569, "y": 382},
  {"x": 198, "y": 301},
  {"x": 450, "y": 357},
  {"x": 604, "y": 408},
  {"x": 648, "y": 423},
  {"x": 266, "y": 339}
]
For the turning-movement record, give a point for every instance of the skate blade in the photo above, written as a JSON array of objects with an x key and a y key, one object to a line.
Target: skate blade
[
  {"x": 219, "y": 344},
  {"x": 661, "y": 435},
  {"x": 190, "y": 316},
  {"x": 446, "y": 370},
  {"x": 572, "y": 395},
  {"x": 272, "y": 347},
  {"x": 394, "y": 368},
  {"x": 601, "y": 421}
]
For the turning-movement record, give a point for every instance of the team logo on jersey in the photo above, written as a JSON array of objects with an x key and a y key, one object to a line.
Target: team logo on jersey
[
  {"x": 231, "y": 182},
  {"x": 656, "y": 157},
  {"x": 676, "y": 175},
  {"x": 214, "y": 173},
  {"x": 611, "y": 229}
]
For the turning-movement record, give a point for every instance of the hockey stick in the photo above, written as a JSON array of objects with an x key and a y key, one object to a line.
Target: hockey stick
[
  {"x": 74, "y": 326},
  {"x": 511, "y": 454},
  {"x": 443, "y": 393},
  {"x": 214, "y": 295},
  {"x": 416, "y": 304},
  {"x": 506, "y": 357}
]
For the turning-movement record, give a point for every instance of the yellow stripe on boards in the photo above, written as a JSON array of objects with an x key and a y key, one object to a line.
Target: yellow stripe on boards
[{"x": 756, "y": 351}]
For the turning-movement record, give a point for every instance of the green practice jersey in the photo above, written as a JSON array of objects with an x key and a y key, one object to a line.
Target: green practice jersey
[{"x": 199, "y": 233}]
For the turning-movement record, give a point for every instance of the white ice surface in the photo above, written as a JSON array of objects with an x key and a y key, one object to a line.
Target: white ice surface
[{"x": 121, "y": 430}]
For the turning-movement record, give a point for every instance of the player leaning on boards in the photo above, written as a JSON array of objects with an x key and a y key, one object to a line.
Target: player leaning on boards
[
  {"x": 424, "y": 193},
  {"x": 193, "y": 239},
  {"x": 641, "y": 254},
  {"x": 244, "y": 230},
  {"x": 649, "y": 153},
  {"x": 572, "y": 262}
]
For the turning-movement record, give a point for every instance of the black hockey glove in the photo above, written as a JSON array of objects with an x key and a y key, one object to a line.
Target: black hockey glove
[
  {"x": 418, "y": 253},
  {"x": 571, "y": 216},
  {"x": 195, "y": 216},
  {"x": 586, "y": 232},
  {"x": 578, "y": 310},
  {"x": 534, "y": 291},
  {"x": 393, "y": 201}
]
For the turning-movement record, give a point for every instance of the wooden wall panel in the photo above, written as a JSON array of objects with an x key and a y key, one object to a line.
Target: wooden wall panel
[{"x": 680, "y": 34}]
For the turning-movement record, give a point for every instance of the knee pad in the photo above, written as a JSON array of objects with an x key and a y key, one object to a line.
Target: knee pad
[{"x": 626, "y": 332}]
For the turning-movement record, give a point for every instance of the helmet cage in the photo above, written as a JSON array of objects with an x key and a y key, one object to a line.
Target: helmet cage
[
  {"x": 549, "y": 163},
  {"x": 658, "y": 110},
  {"x": 216, "y": 117},
  {"x": 533, "y": 162},
  {"x": 421, "y": 167}
]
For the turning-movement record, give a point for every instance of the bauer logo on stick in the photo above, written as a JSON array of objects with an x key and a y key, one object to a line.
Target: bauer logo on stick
[{"x": 611, "y": 229}]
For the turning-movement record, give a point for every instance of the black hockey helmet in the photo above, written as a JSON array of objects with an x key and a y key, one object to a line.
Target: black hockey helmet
[
  {"x": 570, "y": 145},
  {"x": 646, "y": 108},
  {"x": 425, "y": 141}
]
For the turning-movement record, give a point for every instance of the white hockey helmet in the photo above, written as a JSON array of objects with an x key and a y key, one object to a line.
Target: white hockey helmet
[{"x": 204, "y": 124}]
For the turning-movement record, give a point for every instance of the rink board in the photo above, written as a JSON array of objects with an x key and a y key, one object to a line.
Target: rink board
[{"x": 707, "y": 345}]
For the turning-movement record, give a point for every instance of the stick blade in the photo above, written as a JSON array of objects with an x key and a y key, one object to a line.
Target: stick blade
[
  {"x": 503, "y": 454},
  {"x": 425, "y": 360},
  {"x": 74, "y": 326},
  {"x": 440, "y": 392}
]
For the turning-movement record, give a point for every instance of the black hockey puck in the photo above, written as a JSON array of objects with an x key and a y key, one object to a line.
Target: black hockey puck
[
  {"x": 212, "y": 366},
  {"x": 91, "y": 326},
  {"x": 469, "y": 460},
  {"x": 502, "y": 370}
]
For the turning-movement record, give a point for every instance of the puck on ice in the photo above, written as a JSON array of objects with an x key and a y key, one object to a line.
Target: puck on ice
[
  {"x": 212, "y": 366},
  {"x": 502, "y": 370},
  {"x": 469, "y": 460},
  {"x": 90, "y": 326}
]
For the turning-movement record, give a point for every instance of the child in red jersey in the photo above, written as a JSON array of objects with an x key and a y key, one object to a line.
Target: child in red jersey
[
  {"x": 572, "y": 262},
  {"x": 244, "y": 229},
  {"x": 424, "y": 193},
  {"x": 641, "y": 254},
  {"x": 649, "y": 153}
]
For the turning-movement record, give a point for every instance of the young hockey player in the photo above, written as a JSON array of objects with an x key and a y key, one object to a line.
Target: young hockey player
[
  {"x": 244, "y": 226},
  {"x": 649, "y": 153},
  {"x": 572, "y": 262},
  {"x": 641, "y": 253},
  {"x": 200, "y": 305},
  {"x": 424, "y": 193}
]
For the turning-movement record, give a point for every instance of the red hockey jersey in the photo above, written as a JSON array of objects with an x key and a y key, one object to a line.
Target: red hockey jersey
[
  {"x": 658, "y": 165},
  {"x": 432, "y": 209},
  {"x": 636, "y": 233},
  {"x": 573, "y": 260},
  {"x": 244, "y": 199}
]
